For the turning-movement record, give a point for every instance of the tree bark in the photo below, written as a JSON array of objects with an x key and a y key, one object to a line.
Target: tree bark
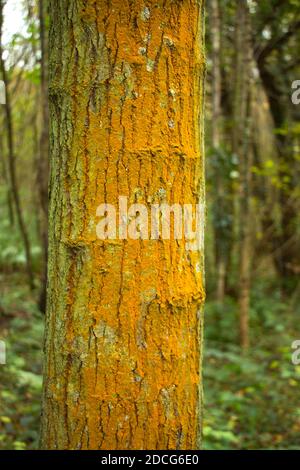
[{"x": 124, "y": 317}]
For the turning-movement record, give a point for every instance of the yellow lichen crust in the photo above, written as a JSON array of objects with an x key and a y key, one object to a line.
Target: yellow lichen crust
[{"x": 124, "y": 319}]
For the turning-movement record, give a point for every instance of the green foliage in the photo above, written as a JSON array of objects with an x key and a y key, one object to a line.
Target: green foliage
[
  {"x": 12, "y": 253},
  {"x": 21, "y": 327},
  {"x": 251, "y": 400}
]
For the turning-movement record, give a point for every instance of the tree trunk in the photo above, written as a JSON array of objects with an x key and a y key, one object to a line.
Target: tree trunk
[
  {"x": 5, "y": 175},
  {"x": 221, "y": 255},
  {"x": 43, "y": 161},
  {"x": 242, "y": 148},
  {"x": 124, "y": 317},
  {"x": 285, "y": 242}
]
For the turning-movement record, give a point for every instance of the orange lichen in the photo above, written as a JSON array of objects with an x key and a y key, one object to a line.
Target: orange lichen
[{"x": 124, "y": 317}]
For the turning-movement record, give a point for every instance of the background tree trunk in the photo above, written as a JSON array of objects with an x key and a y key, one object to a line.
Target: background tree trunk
[
  {"x": 43, "y": 161},
  {"x": 285, "y": 241},
  {"x": 216, "y": 134},
  {"x": 124, "y": 320},
  {"x": 242, "y": 148}
]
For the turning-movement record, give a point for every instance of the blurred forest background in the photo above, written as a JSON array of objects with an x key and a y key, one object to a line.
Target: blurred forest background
[{"x": 252, "y": 235}]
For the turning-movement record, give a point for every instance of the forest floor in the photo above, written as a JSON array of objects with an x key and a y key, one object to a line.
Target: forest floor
[{"x": 251, "y": 399}]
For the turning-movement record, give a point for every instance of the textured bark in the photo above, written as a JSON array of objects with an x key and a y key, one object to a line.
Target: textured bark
[{"x": 124, "y": 318}]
